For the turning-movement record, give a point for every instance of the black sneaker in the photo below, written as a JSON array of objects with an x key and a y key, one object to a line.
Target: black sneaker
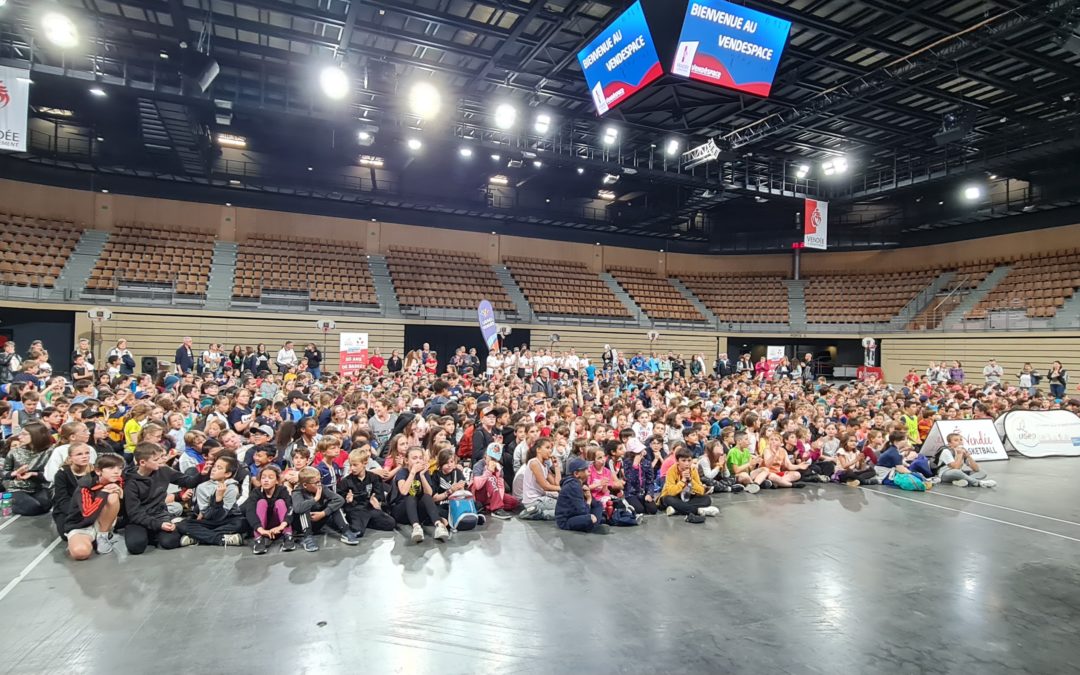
[
  {"x": 766, "y": 484},
  {"x": 262, "y": 545},
  {"x": 501, "y": 514},
  {"x": 601, "y": 528},
  {"x": 735, "y": 489},
  {"x": 798, "y": 484},
  {"x": 310, "y": 545},
  {"x": 695, "y": 518},
  {"x": 288, "y": 544}
]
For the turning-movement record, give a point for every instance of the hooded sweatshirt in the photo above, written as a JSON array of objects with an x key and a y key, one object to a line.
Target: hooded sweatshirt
[
  {"x": 212, "y": 510},
  {"x": 571, "y": 501},
  {"x": 144, "y": 496},
  {"x": 87, "y": 503}
]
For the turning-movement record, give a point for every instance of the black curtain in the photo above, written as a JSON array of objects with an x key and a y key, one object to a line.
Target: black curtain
[{"x": 55, "y": 329}]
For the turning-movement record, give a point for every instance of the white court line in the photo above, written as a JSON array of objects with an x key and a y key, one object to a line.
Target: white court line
[
  {"x": 998, "y": 506},
  {"x": 946, "y": 508},
  {"x": 12, "y": 520},
  {"x": 29, "y": 568}
]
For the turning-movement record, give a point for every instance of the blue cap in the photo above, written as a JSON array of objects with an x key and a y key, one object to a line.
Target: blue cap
[{"x": 577, "y": 464}]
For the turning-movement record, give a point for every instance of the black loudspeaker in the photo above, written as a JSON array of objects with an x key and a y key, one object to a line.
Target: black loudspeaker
[{"x": 149, "y": 365}]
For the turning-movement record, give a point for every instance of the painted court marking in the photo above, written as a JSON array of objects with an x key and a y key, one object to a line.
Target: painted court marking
[
  {"x": 964, "y": 513},
  {"x": 9, "y": 521},
  {"x": 998, "y": 506},
  {"x": 29, "y": 568}
]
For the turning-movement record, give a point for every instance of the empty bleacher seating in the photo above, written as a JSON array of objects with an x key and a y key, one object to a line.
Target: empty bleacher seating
[
  {"x": 1038, "y": 283},
  {"x": 565, "y": 288},
  {"x": 741, "y": 298},
  {"x": 444, "y": 280},
  {"x": 35, "y": 250},
  {"x": 863, "y": 297},
  {"x": 328, "y": 271},
  {"x": 155, "y": 255},
  {"x": 655, "y": 294}
]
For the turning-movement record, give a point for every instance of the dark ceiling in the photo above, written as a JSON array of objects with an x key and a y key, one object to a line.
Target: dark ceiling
[{"x": 871, "y": 80}]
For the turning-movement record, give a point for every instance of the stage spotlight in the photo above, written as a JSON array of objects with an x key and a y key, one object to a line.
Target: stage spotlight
[
  {"x": 465, "y": 152},
  {"x": 60, "y": 30},
  {"x": 334, "y": 82},
  {"x": 972, "y": 192},
  {"x": 802, "y": 171},
  {"x": 672, "y": 147},
  {"x": 505, "y": 115},
  {"x": 542, "y": 123},
  {"x": 611, "y": 134},
  {"x": 835, "y": 166},
  {"x": 414, "y": 144},
  {"x": 424, "y": 100},
  {"x": 363, "y": 136}
]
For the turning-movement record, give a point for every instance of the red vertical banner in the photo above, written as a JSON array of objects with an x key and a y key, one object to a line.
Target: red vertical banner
[
  {"x": 353, "y": 351},
  {"x": 816, "y": 224}
]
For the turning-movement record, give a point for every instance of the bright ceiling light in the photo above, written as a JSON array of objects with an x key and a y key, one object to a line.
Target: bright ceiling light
[
  {"x": 606, "y": 194},
  {"x": 496, "y": 157},
  {"x": 505, "y": 115},
  {"x": 611, "y": 134},
  {"x": 364, "y": 136},
  {"x": 372, "y": 161},
  {"x": 60, "y": 30},
  {"x": 97, "y": 91},
  {"x": 610, "y": 179},
  {"x": 232, "y": 141},
  {"x": 465, "y": 152},
  {"x": 538, "y": 164},
  {"x": 414, "y": 144},
  {"x": 972, "y": 192},
  {"x": 424, "y": 100},
  {"x": 334, "y": 82},
  {"x": 802, "y": 171},
  {"x": 542, "y": 123},
  {"x": 499, "y": 180},
  {"x": 580, "y": 170},
  {"x": 672, "y": 147},
  {"x": 834, "y": 166}
]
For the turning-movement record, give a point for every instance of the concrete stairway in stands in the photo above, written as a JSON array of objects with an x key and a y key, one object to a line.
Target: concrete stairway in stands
[
  {"x": 922, "y": 300},
  {"x": 988, "y": 284},
  {"x": 521, "y": 303},
  {"x": 796, "y": 301},
  {"x": 80, "y": 264},
  {"x": 693, "y": 300},
  {"x": 626, "y": 300},
  {"x": 219, "y": 288},
  {"x": 384, "y": 287},
  {"x": 1068, "y": 315}
]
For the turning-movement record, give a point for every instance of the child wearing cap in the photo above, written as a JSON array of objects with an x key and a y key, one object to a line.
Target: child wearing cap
[
  {"x": 575, "y": 509},
  {"x": 489, "y": 486}
]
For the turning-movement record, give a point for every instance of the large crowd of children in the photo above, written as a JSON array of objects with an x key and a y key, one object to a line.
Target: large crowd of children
[{"x": 224, "y": 449}]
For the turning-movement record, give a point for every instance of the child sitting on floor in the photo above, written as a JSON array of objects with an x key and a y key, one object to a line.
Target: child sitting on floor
[
  {"x": 489, "y": 486},
  {"x": 95, "y": 507},
  {"x": 411, "y": 493},
  {"x": 576, "y": 509},
  {"x": 315, "y": 507},
  {"x": 148, "y": 519},
  {"x": 216, "y": 517},
  {"x": 268, "y": 511},
  {"x": 683, "y": 492},
  {"x": 364, "y": 494},
  {"x": 957, "y": 466}
]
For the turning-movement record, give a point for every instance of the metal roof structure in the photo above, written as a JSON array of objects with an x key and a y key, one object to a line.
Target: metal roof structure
[{"x": 874, "y": 81}]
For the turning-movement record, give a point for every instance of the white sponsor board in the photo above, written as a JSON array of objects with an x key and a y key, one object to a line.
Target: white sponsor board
[
  {"x": 14, "y": 104},
  {"x": 980, "y": 438},
  {"x": 1040, "y": 433}
]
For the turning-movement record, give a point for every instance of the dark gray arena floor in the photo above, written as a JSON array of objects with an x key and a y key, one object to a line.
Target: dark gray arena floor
[{"x": 829, "y": 579}]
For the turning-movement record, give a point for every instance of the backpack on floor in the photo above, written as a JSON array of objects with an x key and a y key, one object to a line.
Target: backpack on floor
[
  {"x": 463, "y": 513},
  {"x": 909, "y": 482},
  {"x": 623, "y": 518}
]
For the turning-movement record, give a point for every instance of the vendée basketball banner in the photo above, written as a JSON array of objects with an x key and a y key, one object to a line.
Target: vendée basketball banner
[
  {"x": 816, "y": 224},
  {"x": 730, "y": 46},
  {"x": 14, "y": 104},
  {"x": 980, "y": 438},
  {"x": 621, "y": 60},
  {"x": 486, "y": 315}
]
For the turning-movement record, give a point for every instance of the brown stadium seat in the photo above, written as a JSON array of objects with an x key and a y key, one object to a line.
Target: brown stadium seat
[
  {"x": 564, "y": 288},
  {"x": 329, "y": 271}
]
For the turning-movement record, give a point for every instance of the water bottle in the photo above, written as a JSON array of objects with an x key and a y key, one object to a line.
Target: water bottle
[{"x": 5, "y": 504}]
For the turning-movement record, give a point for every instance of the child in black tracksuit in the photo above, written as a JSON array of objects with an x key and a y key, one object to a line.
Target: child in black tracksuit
[
  {"x": 575, "y": 509},
  {"x": 216, "y": 519},
  {"x": 315, "y": 507},
  {"x": 364, "y": 493},
  {"x": 148, "y": 521}
]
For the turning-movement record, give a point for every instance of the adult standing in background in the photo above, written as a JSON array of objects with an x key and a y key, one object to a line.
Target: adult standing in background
[
  {"x": 956, "y": 372},
  {"x": 393, "y": 364},
  {"x": 10, "y": 363},
  {"x": 1057, "y": 378},
  {"x": 993, "y": 373},
  {"x": 184, "y": 359},
  {"x": 127, "y": 361},
  {"x": 314, "y": 360},
  {"x": 377, "y": 362},
  {"x": 286, "y": 357},
  {"x": 84, "y": 349},
  {"x": 723, "y": 365},
  {"x": 808, "y": 367}
]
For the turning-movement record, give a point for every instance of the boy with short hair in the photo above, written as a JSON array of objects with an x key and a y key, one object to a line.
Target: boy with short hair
[
  {"x": 365, "y": 493},
  {"x": 315, "y": 507},
  {"x": 683, "y": 492},
  {"x": 95, "y": 508},
  {"x": 957, "y": 466},
  {"x": 576, "y": 509},
  {"x": 216, "y": 518},
  {"x": 145, "y": 487},
  {"x": 329, "y": 471}
]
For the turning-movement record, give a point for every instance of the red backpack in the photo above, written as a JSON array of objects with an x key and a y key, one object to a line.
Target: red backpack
[{"x": 464, "y": 448}]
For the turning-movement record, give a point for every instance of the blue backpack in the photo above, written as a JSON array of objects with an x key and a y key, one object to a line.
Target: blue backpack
[
  {"x": 909, "y": 482},
  {"x": 463, "y": 514}
]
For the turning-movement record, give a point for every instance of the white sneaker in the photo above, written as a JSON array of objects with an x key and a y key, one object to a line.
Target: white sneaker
[
  {"x": 441, "y": 533},
  {"x": 417, "y": 533},
  {"x": 753, "y": 488},
  {"x": 104, "y": 543},
  {"x": 233, "y": 539},
  {"x": 710, "y": 511},
  {"x": 187, "y": 541},
  {"x": 988, "y": 483},
  {"x": 960, "y": 483},
  {"x": 670, "y": 510},
  {"x": 935, "y": 479}
]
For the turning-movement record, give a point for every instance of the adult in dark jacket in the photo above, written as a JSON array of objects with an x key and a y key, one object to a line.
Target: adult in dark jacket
[
  {"x": 145, "y": 486},
  {"x": 573, "y": 510},
  {"x": 9, "y": 362},
  {"x": 314, "y": 360},
  {"x": 185, "y": 359},
  {"x": 723, "y": 366},
  {"x": 544, "y": 384}
]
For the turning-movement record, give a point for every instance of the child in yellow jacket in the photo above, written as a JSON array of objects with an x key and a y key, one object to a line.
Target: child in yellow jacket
[{"x": 683, "y": 492}]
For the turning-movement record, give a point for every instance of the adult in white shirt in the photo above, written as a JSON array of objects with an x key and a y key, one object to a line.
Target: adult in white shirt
[
  {"x": 993, "y": 373},
  {"x": 286, "y": 358},
  {"x": 494, "y": 364}
]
